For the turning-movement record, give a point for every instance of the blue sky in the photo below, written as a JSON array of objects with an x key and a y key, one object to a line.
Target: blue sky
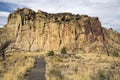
[{"x": 108, "y": 11}]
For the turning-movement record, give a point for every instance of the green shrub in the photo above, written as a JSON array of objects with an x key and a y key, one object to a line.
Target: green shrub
[
  {"x": 63, "y": 50},
  {"x": 57, "y": 59},
  {"x": 100, "y": 75},
  {"x": 50, "y": 53},
  {"x": 115, "y": 54},
  {"x": 56, "y": 74},
  {"x": 110, "y": 74}
]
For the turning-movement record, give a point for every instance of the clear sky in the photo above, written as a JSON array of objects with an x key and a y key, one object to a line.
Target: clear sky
[{"x": 108, "y": 11}]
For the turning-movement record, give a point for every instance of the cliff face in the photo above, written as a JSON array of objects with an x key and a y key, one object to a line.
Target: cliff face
[
  {"x": 112, "y": 40},
  {"x": 41, "y": 31}
]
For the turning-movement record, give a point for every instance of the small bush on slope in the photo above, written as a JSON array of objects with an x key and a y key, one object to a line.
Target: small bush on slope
[
  {"x": 50, "y": 53},
  {"x": 63, "y": 50}
]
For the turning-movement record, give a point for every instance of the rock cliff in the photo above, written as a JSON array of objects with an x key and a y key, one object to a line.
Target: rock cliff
[{"x": 40, "y": 31}]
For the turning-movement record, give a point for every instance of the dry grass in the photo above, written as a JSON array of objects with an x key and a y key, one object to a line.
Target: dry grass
[
  {"x": 86, "y": 66},
  {"x": 83, "y": 67},
  {"x": 16, "y": 65}
]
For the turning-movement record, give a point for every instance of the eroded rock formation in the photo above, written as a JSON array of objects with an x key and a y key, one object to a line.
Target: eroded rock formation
[{"x": 41, "y": 31}]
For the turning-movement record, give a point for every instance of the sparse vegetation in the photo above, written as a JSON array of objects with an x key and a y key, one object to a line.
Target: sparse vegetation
[
  {"x": 60, "y": 68},
  {"x": 84, "y": 67},
  {"x": 57, "y": 59},
  {"x": 55, "y": 74},
  {"x": 100, "y": 75},
  {"x": 14, "y": 67},
  {"x": 110, "y": 74},
  {"x": 50, "y": 53},
  {"x": 115, "y": 54},
  {"x": 63, "y": 50}
]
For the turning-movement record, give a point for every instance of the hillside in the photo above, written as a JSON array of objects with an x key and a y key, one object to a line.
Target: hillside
[
  {"x": 65, "y": 41},
  {"x": 40, "y": 31}
]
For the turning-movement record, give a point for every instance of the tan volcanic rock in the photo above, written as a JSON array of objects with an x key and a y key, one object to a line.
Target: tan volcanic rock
[{"x": 41, "y": 31}]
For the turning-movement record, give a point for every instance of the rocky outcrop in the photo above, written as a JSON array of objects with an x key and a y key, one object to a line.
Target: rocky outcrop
[
  {"x": 41, "y": 31},
  {"x": 112, "y": 40}
]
